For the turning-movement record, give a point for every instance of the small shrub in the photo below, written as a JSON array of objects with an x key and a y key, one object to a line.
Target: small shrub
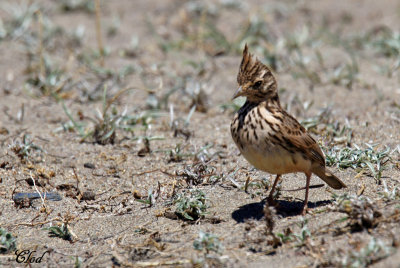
[
  {"x": 61, "y": 232},
  {"x": 192, "y": 206},
  {"x": 7, "y": 241},
  {"x": 361, "y": 211},
  {"x": 208, "y": 242}
]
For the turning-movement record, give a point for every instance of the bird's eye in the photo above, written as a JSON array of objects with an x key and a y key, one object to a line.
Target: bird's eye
[{"x": 257, "y": 84}]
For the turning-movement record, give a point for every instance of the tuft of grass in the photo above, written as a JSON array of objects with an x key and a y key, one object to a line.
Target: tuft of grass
[
  {"x": 77, "y": 5},
  {"x": 50, "y": 79},
  {"x": 260, "y": 185},
  {"x": 388, "y": 44},
  {"x": 303, "y": 71},
  {"x": 191, "y": 206},
  {"x": 102, "y": 129},
  {"x": 132, "y": 50},
  {"x": 367, "y": 160},
  {"x": 361, "y": 211},
  {"x": 25, "y": 149},
  {"x": 46, "y": 71},
  {"x": 7, "y": 241},
  {"x": 107, "y": 123},
  {"x": 346, "y": 74},
  {"x": 300, "y": 239},
  {"x": 208, "y": 242},
  {"x": 285, "y": 237},
  {"x": 199, "y": 30},
  {"x": 179, "y": 126},
  {"x": 304, "y": 235},
  {"x": 389, "y": 195},
  {"x": 178, "y": 153},
  {"x": 373, "y": 252},
  {"x": 77, "y": 261},
  {"x": 149, "y": 200},
  {"x": 106, "y": 74},
  {"x": 21, "y": 16},
  {"x": 197, "y": 174},
  {"x": 61, "y": 232},
  {"x": 198, "y": 97},
  {"x": 333, "y": 131}
]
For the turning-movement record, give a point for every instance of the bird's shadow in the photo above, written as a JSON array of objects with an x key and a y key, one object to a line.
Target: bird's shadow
[{"x": 284, "y": 209}]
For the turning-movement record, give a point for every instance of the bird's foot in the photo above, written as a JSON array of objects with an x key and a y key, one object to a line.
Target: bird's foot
[{"x": 305, "y": 210}]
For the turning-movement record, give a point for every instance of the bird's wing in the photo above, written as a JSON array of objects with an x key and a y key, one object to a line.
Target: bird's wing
[{"x": 295, "y": 135}]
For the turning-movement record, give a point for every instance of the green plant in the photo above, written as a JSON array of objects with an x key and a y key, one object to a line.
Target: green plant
[
  {"x": 361, "y": 211},
  {"x": 374, "y": 251},
  {"x": 22, "y": 14},
  {"x": 333, "y": 131},
  {"x": 7, "y": 241},
  {"x": 202, "y": 154},
  {"x": 61, "y": 232},
  {"x": 78, "y": 262},
  {"x": 207, "y": 242},
  {"x": 388, "y": 44},
  {"x": 285, "y": 237},
  {"x": 25, "y": 149},
  {"x": 180, "y": 126},
  {"x": 304, "y": 235},
  {"x": 346, "y": 74},
  {"x": 102, "y": 129},
  {"x": 149, "y": 200},
  {"x": 197, "y": 174},
  {"x": 191, "y": 206},
  {"x": 366, "y": 160},
  {"x": 90, "y": 58},
  {"x": 389, "y": 195},
  {"x": 300, "y": 238},
  {"x": 77, "y": 5}
]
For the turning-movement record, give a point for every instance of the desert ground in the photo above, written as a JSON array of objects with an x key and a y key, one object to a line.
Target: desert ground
[{"x": 116, "y": 116}]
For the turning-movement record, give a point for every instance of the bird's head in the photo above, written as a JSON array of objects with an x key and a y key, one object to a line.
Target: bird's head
[{"x": 256, "y": 81}]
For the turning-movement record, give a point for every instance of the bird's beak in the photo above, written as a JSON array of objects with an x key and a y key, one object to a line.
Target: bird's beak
[{"x": 239, "y": 92}]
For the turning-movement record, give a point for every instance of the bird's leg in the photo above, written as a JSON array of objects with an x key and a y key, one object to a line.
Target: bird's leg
[
  {"x": 305, "y": 207},
  {"x": 270, "y": 198}
]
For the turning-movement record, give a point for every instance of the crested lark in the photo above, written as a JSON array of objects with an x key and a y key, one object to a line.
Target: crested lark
[{"x": 267, "y": 136}]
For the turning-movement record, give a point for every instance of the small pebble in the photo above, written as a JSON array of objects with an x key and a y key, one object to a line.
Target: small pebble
[{"x": 89, "y": 165}]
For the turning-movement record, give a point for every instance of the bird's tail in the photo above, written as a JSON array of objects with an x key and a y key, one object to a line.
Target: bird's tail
[{"x": 329, "y": 178}]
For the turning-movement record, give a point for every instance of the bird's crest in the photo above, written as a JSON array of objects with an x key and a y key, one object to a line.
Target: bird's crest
[{"x": 251, "y": 67}]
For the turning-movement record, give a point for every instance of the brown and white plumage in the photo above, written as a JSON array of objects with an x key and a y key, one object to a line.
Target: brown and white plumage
[{"x": 267, "y": 136}]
